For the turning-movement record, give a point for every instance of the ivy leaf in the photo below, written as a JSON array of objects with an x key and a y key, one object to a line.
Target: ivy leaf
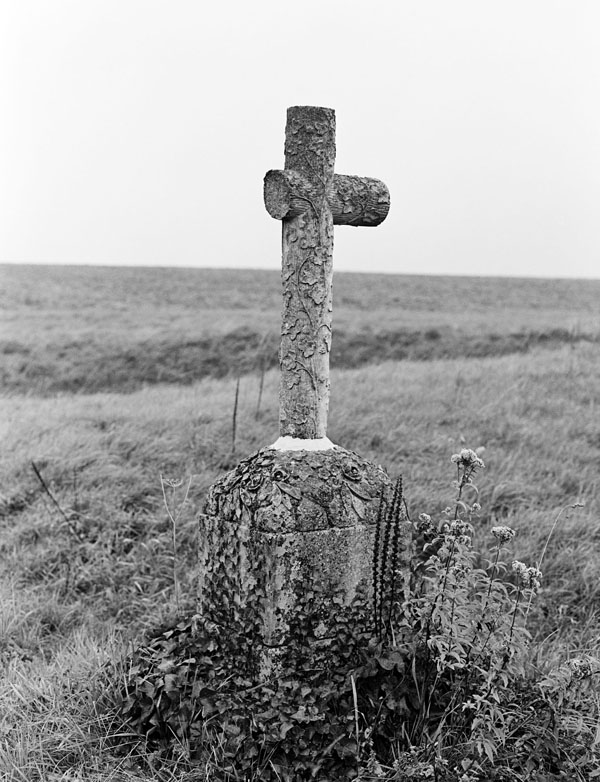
[
  {"x": 171, "y": 682},
  {"x": 291, "y": 490},
  {"x": 385, "y": 663}
]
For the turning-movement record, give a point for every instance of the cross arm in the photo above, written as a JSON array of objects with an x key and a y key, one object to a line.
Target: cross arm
[{"x": 353, "y": 200}]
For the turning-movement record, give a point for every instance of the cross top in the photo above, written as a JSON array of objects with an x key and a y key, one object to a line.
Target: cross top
[{"x": 310, "y": 199}]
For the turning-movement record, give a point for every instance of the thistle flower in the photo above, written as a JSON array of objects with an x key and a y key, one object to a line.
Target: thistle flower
[
  {"x": 503, "y": 534},
  {"x": 467, "y": 458}
]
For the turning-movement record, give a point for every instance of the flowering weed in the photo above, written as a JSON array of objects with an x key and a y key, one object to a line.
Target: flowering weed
[{"x": 469, "y": 695}]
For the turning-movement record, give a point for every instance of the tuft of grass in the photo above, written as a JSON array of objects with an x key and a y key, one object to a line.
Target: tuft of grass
[{"x": 52, "y": 725}]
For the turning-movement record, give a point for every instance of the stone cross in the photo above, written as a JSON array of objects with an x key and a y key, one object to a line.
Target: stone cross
[
  {"x": 288, "y": 537},
  {"x": 310, "y": 199}
]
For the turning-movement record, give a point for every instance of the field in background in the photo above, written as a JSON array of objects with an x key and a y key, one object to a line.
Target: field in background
[
  {"x": 86, "y": 574},
  {"x": 86, "y": 329}
]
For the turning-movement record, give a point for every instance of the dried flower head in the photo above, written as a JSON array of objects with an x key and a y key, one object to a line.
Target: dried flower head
[
  {"x": 503, "y": 534},
  {"x": 519, "y": 567},
  {"x": 460, "y": 570},
  {"x": 529, "y": 577},
  {"x": 459, "y": 528},
  {"x": 534, "y": 575},
  {"x": 174, "y": 483},
  {"x": 467, "y": 458}
]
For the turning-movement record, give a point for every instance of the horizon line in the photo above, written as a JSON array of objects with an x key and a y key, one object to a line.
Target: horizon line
[{"x": 171, "y": 267}]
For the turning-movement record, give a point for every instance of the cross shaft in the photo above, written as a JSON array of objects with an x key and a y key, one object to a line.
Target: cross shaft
[{"x": 309, "y": 199}]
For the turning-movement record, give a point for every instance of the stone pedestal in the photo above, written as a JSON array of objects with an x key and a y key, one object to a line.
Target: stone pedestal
[{"x": 287, "y": 544}]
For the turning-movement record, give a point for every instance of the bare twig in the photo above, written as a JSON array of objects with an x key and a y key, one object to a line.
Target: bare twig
[{"x": 71, "y": 527}]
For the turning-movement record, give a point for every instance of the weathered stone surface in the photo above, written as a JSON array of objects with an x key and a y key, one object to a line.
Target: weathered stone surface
[
  {"x": 285, "y": 533},
  {"x": 288, "y": 535},
  {"x": 309, "y": 199},
  {"x": 306, "y": 276},
  {"x": 353, "y": 200}
]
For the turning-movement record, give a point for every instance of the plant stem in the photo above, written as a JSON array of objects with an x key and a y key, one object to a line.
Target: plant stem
[
  {"x": 494, "y": 566},
  {"x": 376, "y": 564},
  {"x": 485, "y": 605},
  {"x": 514, "y": 616},
  {"x": 260, "y": 389},
  {"x": 234, "y": 421},
  {"x": 355, "y": 698},
  {"x": 174, "y": 520},
  {"x": 396, "y": 510}
]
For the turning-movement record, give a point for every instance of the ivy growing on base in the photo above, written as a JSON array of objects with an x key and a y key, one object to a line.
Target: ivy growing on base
[{"x": 430, "y": 679}]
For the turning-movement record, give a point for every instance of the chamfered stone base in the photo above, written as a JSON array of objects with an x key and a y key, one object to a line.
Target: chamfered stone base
[{"x": 287, "y": 542}]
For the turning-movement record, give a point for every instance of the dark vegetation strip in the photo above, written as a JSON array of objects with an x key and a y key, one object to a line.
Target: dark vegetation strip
[{"x": 86, "y": 367}]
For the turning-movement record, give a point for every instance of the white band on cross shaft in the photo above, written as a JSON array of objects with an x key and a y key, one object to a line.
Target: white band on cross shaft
[{"x": 299, "y": 444}]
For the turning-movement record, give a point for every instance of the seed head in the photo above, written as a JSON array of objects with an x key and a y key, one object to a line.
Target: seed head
[
  {"x": 503, "y": 534},
  {"x": 467, "y": 458}
]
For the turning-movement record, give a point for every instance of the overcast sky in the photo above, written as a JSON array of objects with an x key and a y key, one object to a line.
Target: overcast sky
[{"x": 139, "y": 131}]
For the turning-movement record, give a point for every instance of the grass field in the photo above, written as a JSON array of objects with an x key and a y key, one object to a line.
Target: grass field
[
  {"x": 85, "y": 573},
  {"x": 92, "y": 329}
]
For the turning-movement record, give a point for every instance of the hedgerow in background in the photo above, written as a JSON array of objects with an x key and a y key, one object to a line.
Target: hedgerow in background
[{"x": 441, "y": 689}]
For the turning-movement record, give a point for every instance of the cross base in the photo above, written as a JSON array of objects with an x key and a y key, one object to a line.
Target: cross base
[{"x": 285, "y": 533}]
